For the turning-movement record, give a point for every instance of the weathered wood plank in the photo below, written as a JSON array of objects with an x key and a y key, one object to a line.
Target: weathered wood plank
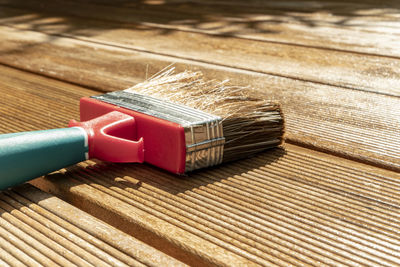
[
  {"x": 293, "y": 206},
  {"x": 345, "y": 69},
  {"x": 288, "y": 206},
  {"x": 366, "y": 28},
  {"x": 360, "y": 125},
  {"x": 37, "y": 228}
]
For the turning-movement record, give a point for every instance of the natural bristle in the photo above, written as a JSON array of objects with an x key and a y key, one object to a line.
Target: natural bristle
[{"x": 250, "y": 123}]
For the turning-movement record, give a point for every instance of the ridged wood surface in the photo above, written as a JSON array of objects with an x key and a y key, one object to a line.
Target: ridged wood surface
[
  {"x": 352, "y": 123},
  {"x": 325, "y": 24},
  {"x": 289, "y": 205},
  {"x": 38, "y": 229},
  {"x": 340, "y": 68},
  {"x": 332, "y": 64}
]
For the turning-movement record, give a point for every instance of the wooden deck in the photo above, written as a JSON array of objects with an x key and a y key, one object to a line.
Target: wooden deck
[
  {"x": 38, "y": 229},
  {"x": 329, "y": 196}
]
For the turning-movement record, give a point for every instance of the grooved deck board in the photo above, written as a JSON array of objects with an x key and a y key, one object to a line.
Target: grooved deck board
[
  {"x": 291, "y": 206},
  {"x": 286, "y": 206},
  {"x": 338, "y": 68},
  {"x": 37, "y": 228},
  {"x": 332, "y": 64},
  {"x": 325, "y": 24},
  {"x": 356, "y": 124}
]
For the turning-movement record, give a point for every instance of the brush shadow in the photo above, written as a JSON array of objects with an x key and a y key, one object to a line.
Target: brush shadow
[{"x": 132, "y": 177}]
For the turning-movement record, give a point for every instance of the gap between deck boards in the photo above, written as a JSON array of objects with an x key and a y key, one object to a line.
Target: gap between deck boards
[
  {"x": 285, "y": 206},
  {"x": 306, "y": 105},
  {"x": 376, "y": 73}
]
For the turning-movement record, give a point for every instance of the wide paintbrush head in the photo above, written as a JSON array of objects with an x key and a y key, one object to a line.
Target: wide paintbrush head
[{"x": 250, "y": 123}]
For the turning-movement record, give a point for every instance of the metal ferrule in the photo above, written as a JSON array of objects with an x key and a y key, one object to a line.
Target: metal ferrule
[
  {"x": 204, "y": 143},
  {"x": 203, "y": 132}
]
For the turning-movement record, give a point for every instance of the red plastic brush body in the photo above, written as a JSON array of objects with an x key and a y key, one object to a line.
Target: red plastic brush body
[
  {"x": 163, "y": 141},
  {"x": 112, "y": 137}
]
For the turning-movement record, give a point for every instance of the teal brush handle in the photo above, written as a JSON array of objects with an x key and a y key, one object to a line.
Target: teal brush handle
[{"x": 27, "y": 155}]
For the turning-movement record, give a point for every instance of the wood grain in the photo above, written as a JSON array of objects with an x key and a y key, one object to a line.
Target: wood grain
[
  {"x": 332, "y": 64},
  {"x": 286, "y": 206},
  {"x": 358, "y": 27},
  {"x": 340, "y": 68},
  {"x": 355, "y": 124},
  {"x": 39, "y": 229},
  {"x": 291, "y": 206}
]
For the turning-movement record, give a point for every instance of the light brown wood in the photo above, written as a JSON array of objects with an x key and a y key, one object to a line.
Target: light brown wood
[
  {"x": 332, "y": 64},
  {"x": 37, "y": 228},
  {"x": 358, "y": 27},
  {"x": 293, "y": 206},
  {"x": 355, "y": 124},
  {"x": 339, "y": 68}
]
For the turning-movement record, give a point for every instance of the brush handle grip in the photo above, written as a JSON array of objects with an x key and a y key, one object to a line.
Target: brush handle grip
[{"x": 27, "y": 155}]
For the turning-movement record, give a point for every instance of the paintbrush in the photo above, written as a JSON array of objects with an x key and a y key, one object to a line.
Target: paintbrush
[{"x": 178, "y": 122}]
